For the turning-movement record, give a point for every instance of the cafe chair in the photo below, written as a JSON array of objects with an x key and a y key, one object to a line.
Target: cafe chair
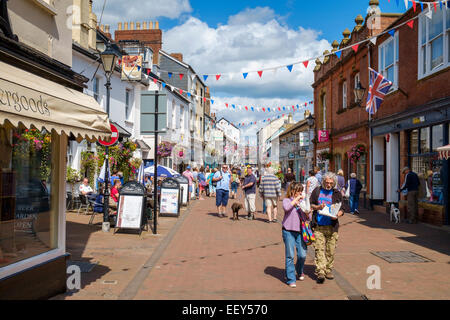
[
  {"x": 97, "y": 207},
  {"x": 84, "y": 203}
]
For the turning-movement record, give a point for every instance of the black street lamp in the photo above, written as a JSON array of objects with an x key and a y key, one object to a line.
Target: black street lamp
[
  {"x": 310, "y": 122},
  {"x": 359, "y": 92},
  {"x": 108, "y": 57}
]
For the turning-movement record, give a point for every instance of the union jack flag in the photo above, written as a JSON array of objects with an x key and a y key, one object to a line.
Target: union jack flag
[{"x": 378, "y": 88}]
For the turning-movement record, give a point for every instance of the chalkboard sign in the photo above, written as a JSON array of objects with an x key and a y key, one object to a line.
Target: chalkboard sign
[
  {"x": 131, "y": 206},
  {"x": 184, "y": 186}
]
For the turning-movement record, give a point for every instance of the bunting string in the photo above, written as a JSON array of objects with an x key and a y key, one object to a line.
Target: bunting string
[{"x": 355, "y": 46}]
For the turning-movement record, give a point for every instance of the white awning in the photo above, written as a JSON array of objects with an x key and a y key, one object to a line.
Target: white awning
[{"x": 34, "y": 101}]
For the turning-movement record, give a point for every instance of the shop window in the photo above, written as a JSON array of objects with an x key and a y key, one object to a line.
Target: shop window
[
  {"x": 424, "y": 140},
  {"x": 28, "y": 207},
  {"x": 414, "y": 142},
  {"x": 361, "y": 170},
  {"x": 437, "y": 133},
  {"x": 337, "y": 162}
]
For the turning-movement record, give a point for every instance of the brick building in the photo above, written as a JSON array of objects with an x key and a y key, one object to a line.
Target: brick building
[{"x": 411, "y": 122}]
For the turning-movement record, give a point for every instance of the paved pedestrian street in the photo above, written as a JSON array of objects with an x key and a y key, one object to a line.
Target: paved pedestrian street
[{"x": 202, "y": 256}]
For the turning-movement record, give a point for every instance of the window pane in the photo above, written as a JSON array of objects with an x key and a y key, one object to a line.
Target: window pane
[
  {"x": 389, "y": 53},
  {"x": 390, "y": 73},
  {"x": 424, "y": 30},
  {"x": 438, "y": 136},
  {"x": 424, "y": 140},
  {"x": 436, "y": 24},
  {"x": 414, "y": 142},
  {"x": 396, "y": 47},
  {"x": 437, "y": 52},
  {"x": 28, "y": 215},
  {"x": 424, "y": 59}
]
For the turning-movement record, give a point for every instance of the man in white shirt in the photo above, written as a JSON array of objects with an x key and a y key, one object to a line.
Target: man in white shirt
[{"x": 85, "y": 188}]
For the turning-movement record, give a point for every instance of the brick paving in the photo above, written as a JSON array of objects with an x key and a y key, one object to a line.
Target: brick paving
[{"x": 217, "y": 258}]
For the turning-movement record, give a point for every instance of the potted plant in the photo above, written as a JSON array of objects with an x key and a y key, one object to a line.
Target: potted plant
[{"x": 356, "y": 152}]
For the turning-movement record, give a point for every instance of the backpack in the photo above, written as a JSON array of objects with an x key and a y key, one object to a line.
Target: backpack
[
  {"x": 214, "y": 183},
  {"x": 308, "y": 236}
]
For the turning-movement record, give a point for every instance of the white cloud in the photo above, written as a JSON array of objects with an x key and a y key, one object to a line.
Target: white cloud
[
  {"x": 251, "y": 40},
  {"x": 139, "y": 10}
]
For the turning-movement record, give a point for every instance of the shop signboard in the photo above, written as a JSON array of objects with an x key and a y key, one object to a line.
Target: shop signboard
[
  {"x": 170, "y": 197},
  {"x": 304, "y": 138},
  {"x": 347, "y": 137},
  {"x": 323, "y": 135},
  {"x": 130, "y": 210},
  {"x": 132, "y": 68}
]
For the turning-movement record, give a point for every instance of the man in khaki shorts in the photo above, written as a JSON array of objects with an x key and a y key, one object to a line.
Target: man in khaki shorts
[{"x": 270, "y": 190}]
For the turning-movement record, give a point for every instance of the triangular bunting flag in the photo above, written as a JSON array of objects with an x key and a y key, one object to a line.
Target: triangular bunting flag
[
  {"x": 355, "y": 47},
  {"x": 435, "y": 6},
  {"x": 373, "y": 40},
  {"x": 234, "y": 107},
  {"x": 440, "y": 5},
  {"x": 338, "y": 54},
  {"x": 279, "y": 109},
  {"x": 154, "y": 80},
  {"x": 414, "y": 5},
  {"x": 204, "y": 99},
  {"x": 289, "y": 68},
  {"x": 181, "y": 91},
  {"x": 189, "y": 94},
  {"x": 217, "y": 76},
  {"x": 429, "y": 14},
  {"x": 246, "y": 108},
  {"x": 260, "y": 73},
  {"x": 406, "y": 4},
  {"x": 181, "y": 76},
  {"x": 305, "y": 63},
  {"x": 205, "y": 77},
  {"x": 410, "y": 24},
  {"x": 240, "y": 107},
  {"x": 257, "y": 109},
  {"x": 169, "y": 74},
  {"x": 212, "y": 101},
  {"x": 268, "y": 109},
  {"x": 392, "y": 32},
  {"x": 148, "y": 71},
  {"x": 245, "y": 75},
  {"x": 193, "y": 77},
  {"x": 264, "y": 109},
  {"x": 163, "y": 84},
  {"x": 226, "y": 104},
  {"x": 252, "y": 109}
]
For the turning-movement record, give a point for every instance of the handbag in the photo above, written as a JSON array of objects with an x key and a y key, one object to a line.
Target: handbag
[
  {"x": 347, "y": 192},
  {"x": 308, "y": 236}
]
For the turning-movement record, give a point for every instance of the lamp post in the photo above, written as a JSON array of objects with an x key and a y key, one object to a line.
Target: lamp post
[
  {"x": 310, "y": 122},
  {"x": 108, "y": 57}
]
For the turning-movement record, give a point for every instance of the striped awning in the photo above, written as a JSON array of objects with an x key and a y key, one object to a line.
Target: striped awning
[{"x": 444, "y": 152}]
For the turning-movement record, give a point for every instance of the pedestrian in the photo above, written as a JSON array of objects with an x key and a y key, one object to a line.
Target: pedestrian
[
  {"x": 311, "y": 183},
  {"x": 341, "y": 181},
  {"x": 292, "y": 233},
  {"x": 85, "y": 188},
  {"x": 114, "y": 198},
  {"x": 188, "y": 175},
  {"x": 212, "y": 188},
  {"x": 355, "y": 188},
  {"x": 318, "y": 174},
  {"x": 325, "y": 228},
  {"x": 201, "y": 182},
  {"x": 289, "y": 178},
  {"x": 411, "y": 187},
  {"x": 280, "y": 176},
  {"x": 249, "y": 187},
  {"x": 223, "y": 179},
  {"x": 195, "y": 175},
  {"x": 234, "y": 184},
  {"x": 270, "y": 190}
]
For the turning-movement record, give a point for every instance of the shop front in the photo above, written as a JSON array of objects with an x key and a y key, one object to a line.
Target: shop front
[
  {"x": 412, "y": 139},
  {"x": 37, "y": 115}
]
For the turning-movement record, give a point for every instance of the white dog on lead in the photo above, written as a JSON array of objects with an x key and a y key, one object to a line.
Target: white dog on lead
[{"x": 395, "y": 213}]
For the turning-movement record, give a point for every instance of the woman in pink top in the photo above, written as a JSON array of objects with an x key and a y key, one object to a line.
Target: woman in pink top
[{"x": 292, "y": 235}]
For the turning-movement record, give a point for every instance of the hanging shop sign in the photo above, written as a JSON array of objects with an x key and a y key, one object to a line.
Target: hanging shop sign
[
  {"x": 304, "y": 139},
  {"x": 323, "y": 135},
  {"x": 132, "y": 68}
]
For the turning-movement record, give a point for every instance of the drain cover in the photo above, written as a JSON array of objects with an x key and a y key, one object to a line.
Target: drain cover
[
  {"x": 83, "y": 265},
  {"x": 400, "y": 256}
]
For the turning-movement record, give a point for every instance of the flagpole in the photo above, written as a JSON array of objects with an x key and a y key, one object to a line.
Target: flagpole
[{"x": 370, "y": 134}]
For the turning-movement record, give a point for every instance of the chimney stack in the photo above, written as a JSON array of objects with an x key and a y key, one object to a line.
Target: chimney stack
[
  {"x": 125, "y": 26},
  {"x": 138, "y": 26},
  {"x": 131, "y": 25},
  {"x": 157, "y": 25},
  {"x": 150, "y": 25},
  {"x": 119, "y": 26},
  {"x": 144, "y": 25},
  {"x": 101, "y": 28},
  {"x": 106, "y": 28}
]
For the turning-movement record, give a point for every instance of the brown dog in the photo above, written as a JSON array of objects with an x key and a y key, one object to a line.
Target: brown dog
[{"x": 235, "y": 208}]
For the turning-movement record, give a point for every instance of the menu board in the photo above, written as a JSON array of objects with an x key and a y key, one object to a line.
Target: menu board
[
  {"x": 129, "y": 214},
  {"x": 169, "y": 201}
]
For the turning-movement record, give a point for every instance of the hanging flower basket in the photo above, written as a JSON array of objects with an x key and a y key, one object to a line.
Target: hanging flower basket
[
  {"x": 325, "y": 155},
  {"x": 164, "y": 149},
  {"x": 357, "y": 152}
]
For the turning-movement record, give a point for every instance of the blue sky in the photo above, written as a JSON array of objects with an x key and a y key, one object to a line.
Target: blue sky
[{"x": 237, "y": 36}]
